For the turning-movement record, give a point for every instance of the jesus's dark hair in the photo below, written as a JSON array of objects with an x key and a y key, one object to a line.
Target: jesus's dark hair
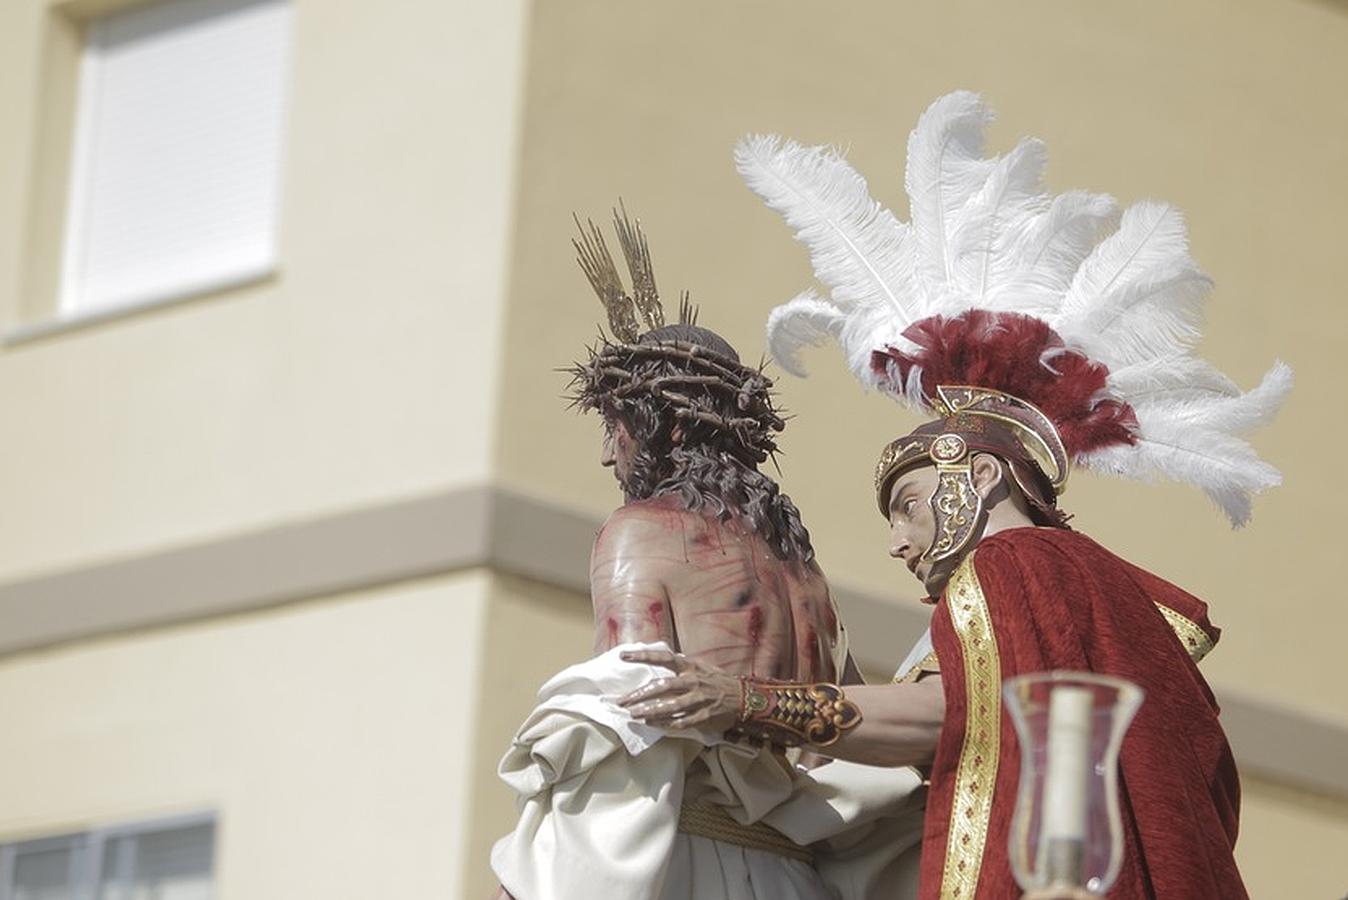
[{"x": 711, "y": 468}]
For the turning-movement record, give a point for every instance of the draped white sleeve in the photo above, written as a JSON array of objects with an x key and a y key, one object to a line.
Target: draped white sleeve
[{"x": 599, "y": 797}]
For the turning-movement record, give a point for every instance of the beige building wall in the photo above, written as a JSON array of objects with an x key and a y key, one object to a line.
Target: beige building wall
[
  {"x": 331, "y": 733},
  {"x": 330, "y": 738},
  {"x": 364, "y": 369}
]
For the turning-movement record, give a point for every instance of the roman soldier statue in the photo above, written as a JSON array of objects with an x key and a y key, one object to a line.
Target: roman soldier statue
[{"x": 1038, "y": 333}]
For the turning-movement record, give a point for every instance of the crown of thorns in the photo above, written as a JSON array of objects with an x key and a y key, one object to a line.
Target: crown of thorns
[{"x": 686, "y": 380}]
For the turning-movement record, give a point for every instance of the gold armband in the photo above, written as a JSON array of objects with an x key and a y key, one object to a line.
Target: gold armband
[{"x": 793, "y": 714}]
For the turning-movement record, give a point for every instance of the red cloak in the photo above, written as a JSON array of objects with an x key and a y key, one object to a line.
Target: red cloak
[{"x": 1035, "y": 599}]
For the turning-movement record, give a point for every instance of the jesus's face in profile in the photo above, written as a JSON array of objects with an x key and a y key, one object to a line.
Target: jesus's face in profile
[{"x": 619, "y": 448}]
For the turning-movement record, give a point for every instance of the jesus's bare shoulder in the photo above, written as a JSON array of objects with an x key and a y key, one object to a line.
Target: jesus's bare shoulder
[{"x": 713, "y": 590}]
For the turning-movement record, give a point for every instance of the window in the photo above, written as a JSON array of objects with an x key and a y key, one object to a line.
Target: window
[
  {"x": 164, "y": 860},
  {"x": 176, "y": 162}
]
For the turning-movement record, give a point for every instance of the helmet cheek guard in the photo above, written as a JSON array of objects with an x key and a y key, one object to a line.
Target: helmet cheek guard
[{"x": 956, "y": 505}]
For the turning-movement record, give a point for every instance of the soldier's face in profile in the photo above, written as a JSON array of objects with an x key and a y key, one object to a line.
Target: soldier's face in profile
[
  {"x": 912, "y": 526},
  {"x": 618, "y": 449}
]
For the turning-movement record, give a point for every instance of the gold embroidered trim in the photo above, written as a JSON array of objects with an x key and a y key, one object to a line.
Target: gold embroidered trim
[
  {"x": 971, "y": 805},
  {"x": 928, "y": 663},
  {"x": 1189, "y": 632}
]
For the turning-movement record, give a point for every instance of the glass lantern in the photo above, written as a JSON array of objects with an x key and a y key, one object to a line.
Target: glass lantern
[{"x": 1065, "y": 832}]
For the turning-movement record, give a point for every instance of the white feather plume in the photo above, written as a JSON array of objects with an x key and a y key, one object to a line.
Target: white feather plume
[
  {"x": 945, "y": 168},
  {"x": 806, "y": 320},
  {"x": 1177, "y": 377},
  {"x": 1225, "y": 467},
  {"x": 1237, "y": 414},
  {"x": 860, "y": 251},
  {"x": 1052, "y": 248},
  {"x": 993, "y": 221},
  {"x": 857, "y": 246},
  {"x": 1119, "y": 287},
  {"x": 1139, "y": 294}
]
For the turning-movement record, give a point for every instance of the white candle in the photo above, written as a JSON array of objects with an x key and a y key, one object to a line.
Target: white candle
[{"x": 1069, "y": 759}]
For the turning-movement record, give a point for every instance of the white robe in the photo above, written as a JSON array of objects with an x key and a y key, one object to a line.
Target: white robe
[{"x": 600, "y": 795}]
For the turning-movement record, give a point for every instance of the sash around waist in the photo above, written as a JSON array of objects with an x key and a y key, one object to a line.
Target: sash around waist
[{"x": 711, "y": 821}]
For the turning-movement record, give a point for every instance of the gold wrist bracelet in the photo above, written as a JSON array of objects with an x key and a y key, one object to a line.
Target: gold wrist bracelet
[{"x": 792, "y": 714}]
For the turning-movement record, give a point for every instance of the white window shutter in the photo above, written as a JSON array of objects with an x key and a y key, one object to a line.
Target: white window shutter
[
  {"x": 42, "y": 871},
  {"x": 176, "y": 165},
  {"x": 171, "y": 864}
]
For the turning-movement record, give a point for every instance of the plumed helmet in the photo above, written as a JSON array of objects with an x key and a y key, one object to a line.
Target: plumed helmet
[{"x": 1060, "y": 324}]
